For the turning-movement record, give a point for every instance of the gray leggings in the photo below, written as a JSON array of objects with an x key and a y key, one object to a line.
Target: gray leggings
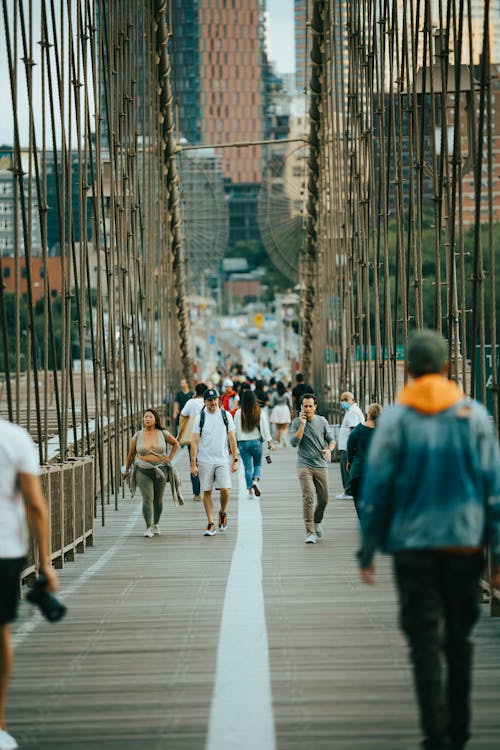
[{"x": 151, "y": 487}]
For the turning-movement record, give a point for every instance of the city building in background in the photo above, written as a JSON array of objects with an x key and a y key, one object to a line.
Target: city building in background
[
  {"x": 11, "y": 225},
  {"x": 218, "y": 82}
]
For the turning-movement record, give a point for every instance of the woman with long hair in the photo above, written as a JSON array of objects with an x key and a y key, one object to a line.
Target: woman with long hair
[
  {"x": 252, "y": 428},
  {"x": 358, "y": 443},
  {"x": 149, "y": 449},
  {"x": 281, "y": 415}
]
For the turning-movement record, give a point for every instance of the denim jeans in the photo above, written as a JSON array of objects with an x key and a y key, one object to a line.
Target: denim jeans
[
  {"x": 438, "y": 609},
  {"x": 251, "y": 455},
  {"x": 195, "y": 480}
]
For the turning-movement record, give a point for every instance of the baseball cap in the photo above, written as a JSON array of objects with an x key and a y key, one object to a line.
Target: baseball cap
[
  {"x": 209, "y": 394},
  {"x": 227, "y": 383}
]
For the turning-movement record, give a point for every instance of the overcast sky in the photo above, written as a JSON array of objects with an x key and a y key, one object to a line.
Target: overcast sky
[{"x": 281, "y": 36}]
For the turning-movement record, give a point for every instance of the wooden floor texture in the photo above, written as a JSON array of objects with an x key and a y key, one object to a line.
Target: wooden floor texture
[{"x": 132, "y": 665}]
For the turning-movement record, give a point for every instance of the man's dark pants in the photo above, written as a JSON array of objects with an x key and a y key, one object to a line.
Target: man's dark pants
[
  {"x": 343, "y": 472},
  {"x": 438, "y": 594}
]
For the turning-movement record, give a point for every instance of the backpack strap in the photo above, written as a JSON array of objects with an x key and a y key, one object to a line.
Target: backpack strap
[{"x": 224, "y": 419}]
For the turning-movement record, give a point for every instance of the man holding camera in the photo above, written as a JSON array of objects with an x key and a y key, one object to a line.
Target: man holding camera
[
  {"x": 315, "y": 441},
  {"x": 19, "y": 469}
]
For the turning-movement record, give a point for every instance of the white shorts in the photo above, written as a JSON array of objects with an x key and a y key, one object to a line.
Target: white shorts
[{"x": 214, "y": 476}]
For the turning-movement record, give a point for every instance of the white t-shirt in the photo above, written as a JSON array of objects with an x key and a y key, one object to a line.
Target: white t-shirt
[
  {"x": 18, "y": 455},
  {"x": 213, "y": 448},
  {"x": 352, "y": 417},
  {"x": 192, "y": 407}
]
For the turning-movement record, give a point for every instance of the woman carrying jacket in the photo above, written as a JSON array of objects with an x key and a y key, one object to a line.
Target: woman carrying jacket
[
  {"x": 252, "y": 428},
  {"x": 149, "y": 449}
]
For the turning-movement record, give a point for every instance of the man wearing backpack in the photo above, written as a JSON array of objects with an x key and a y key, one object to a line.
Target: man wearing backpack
[{"x": 212, "y": 430}]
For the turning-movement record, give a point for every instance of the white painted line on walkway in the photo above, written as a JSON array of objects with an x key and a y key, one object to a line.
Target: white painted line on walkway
[
  {"x": 241, "y": 716},
  {"x": 29, "y": 626}
]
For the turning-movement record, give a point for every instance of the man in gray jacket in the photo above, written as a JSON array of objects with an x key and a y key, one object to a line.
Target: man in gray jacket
[{"x": 315, "y": 440}]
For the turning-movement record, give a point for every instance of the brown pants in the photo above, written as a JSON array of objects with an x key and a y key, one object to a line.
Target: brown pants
[{"x": 314, "y": 484}]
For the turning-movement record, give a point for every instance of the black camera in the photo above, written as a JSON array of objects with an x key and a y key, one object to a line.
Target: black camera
[
  {"x": 268, "y": 459},
  {"x": 50, "y": 607}
]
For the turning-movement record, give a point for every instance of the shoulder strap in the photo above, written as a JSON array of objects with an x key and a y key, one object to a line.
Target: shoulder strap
[
  {"x": 225, "y": 419},
  {"x": 202, "y": 420}
]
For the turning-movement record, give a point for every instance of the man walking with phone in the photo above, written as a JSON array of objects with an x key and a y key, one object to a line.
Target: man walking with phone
[{"x": 314, "y": 438}]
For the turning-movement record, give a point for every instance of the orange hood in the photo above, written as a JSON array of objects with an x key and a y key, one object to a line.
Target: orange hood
[{"x": 430, "y": 394}]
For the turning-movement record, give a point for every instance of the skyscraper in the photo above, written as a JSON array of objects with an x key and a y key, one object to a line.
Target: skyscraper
[{"x": 218, "y": 80}]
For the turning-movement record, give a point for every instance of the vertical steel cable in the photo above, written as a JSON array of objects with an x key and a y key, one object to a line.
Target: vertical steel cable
[{"x": 169, "y": 160}]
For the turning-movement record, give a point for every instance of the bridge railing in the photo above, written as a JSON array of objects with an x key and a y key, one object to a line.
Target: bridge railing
[{"x": 69, "y": 489}]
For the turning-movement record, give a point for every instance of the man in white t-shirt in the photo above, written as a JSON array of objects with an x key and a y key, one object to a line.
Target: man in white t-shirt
[
  {"x": 212, "y": 430},
  {"x": 191, "y": 409},
  {"x": 19, "y": 472},
  {"x": 352, "y": 417}
]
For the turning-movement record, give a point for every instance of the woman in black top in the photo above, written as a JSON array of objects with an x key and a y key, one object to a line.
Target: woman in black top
[{"x": 358, "y": 444}]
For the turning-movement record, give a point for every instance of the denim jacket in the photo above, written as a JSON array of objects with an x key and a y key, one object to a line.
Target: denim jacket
[{"x": 432, "y": 479}]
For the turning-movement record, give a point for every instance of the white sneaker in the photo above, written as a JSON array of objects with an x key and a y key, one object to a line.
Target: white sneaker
[
  {"x": 7, "y": 741},
  {"x": 319, "y": 530},
  {"x": 311, "y": 539},
  {"x": 343, "y": 496},
  {"x": 156, "y": 529},
  {"x": 149, "y": 532},
  {"x": 250, "y": 493}
]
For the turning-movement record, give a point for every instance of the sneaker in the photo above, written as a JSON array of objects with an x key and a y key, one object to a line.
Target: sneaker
[
  {"x": 7, "y": 741},
  {"x": 156, "y": 529},
  {"x": 318, "y": 529},
  {"x": 149, "y": 532},
  {"x": 196, "y": 498},
  {"x": 343, "y": 496},
  {"x": 210, "y": 530},
  {"x": 256, "y": 487},
  {"x": 222, "y": 520},
  {"x": 311, "y": 539},
  {"x": 250, "y": 493}
]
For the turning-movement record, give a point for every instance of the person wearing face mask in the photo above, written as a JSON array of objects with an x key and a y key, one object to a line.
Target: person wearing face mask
[{"x": 352, "y": 417}]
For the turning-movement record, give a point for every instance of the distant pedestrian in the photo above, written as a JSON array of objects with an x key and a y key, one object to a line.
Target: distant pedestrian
[
  {"x": 188, "y": 414},
  {"x": 252, "y": 430},
  {"x": 212, "y": 430},
  {"x": 352, "y": 417},
  {"x": 22, "y": 504},
  {"x": 431, "y": 498},
  {"x": 281, "y": 415},
  {"x": 315, "y": 441},
  {"x": 358, "y": 443},
  {"x": 182, "y": 397},
  {"x": 149, "y": 452},
  {"x": 230, "y": 398},
  {"x": 298, "y": 391}
]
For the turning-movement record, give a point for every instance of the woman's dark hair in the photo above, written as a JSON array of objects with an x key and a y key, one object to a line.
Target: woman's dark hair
[
  {"x": 158, "y": 424},
  {"x": 250, "y": 411},
  {"x": 280, "y": 387}
]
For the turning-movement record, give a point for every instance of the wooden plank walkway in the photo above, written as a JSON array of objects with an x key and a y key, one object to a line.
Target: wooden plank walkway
[{"x": 133, "y": 665}]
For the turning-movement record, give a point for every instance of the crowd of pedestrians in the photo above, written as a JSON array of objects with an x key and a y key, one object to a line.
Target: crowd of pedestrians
[{"x": 424, "y": 475}]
